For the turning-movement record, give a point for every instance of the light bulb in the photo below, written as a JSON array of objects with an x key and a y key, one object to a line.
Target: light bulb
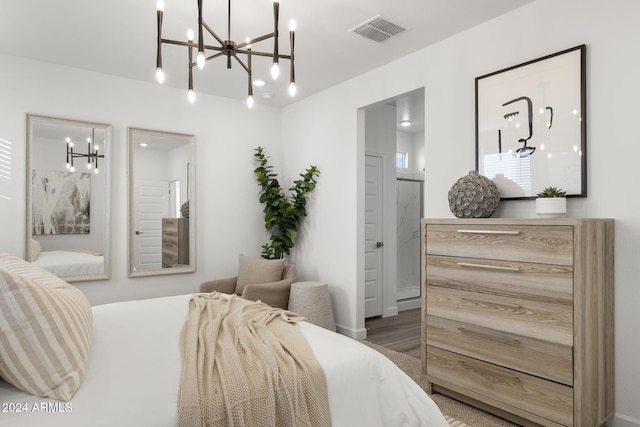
[
  {"x": 247, "y": 40},
  {"x": 190, "y": 34},
  {"x": 68, "y": 139},
  {"x": 68, "y": 166},
  {"x": 88, "y": 165},
  {"x": 72, "y": 169},
  {"x": 95, "y": 170},
  {"x": 88, "y": 139},
  {"x": 292, "y": 89},
  {"x": 96, "y": 147},
  {"x": 250, "y": 101},
  {"x": 200, "y": 60},
  {"x": 292, "y": 25},
  {"x": 275, "y": 71},
  {"x": 159, "y": 75},
  {"x": 160, "y": 5},
  {"x": 70, "y": 144},
  {"x": 191, "y": 95}
]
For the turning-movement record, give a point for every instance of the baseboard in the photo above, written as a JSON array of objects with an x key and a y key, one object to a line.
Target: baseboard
[
  {"x": 409, "y": 304},
  {"x": 358, "y": 334},
  {"x": 620, "y": 420}
]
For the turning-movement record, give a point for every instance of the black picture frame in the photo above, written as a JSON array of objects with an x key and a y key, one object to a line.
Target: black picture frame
[{"x": 531, "y": 123}]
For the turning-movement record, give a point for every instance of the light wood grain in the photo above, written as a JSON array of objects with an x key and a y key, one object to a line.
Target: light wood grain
[
  {"x": 532, "y": 243},
  {"x": 542, "y": 282},
  {"x": 537, "y": 357},
  {"x": 529, "y": 318},
  {"x": 500, "y": 307},
  {"x": 547, "y": 399}
]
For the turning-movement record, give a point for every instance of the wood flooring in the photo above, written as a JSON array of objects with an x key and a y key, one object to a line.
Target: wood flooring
[{"x": 400, "y": 333}]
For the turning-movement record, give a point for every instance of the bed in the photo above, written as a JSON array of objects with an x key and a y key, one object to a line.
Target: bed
[
  {"x": 66, "y": 263},
  {"x": 133, "y": 372}
]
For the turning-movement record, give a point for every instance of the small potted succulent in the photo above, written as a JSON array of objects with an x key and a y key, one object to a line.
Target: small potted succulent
[{"x": 551, "y": 203}]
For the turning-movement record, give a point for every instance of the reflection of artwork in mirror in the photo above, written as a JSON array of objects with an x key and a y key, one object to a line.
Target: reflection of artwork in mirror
[
  {"x": 60, "y": 202},
  {"x": 531, "y": 126},
  {"x": 68, "y": 204},
  {"x": 161, "y": 237}
]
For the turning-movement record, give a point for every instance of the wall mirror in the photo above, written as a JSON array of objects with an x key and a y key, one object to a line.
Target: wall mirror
[
  {"x": 68, "y": 209},
  {"x": 161, "y": 203}
]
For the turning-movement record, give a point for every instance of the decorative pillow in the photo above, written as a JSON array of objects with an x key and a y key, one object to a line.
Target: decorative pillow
[
  {"x": 258, "y": 270},
  {"x": 45, "y": 329},
  {"x": 35, "y": 249}
]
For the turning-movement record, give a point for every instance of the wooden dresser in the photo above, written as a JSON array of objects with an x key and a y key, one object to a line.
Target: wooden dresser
[
  {"x": 175, "y": 242},
  {"x": 517, "y": 316}
]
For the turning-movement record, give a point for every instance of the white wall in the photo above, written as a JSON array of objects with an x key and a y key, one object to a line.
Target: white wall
[
  {"x": 229, "y": 216},
  {"x": 325, "y": 128}
]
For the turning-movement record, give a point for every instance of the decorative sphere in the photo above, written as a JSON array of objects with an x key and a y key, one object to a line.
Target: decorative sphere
[
  {"x": 474, "y": 196},
  {"x": 184, "y": 209}
]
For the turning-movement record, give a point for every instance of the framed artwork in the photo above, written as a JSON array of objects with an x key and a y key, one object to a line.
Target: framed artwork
[
  {"x": 531, "y": 126},
  {"x": 60, "y": 202}
]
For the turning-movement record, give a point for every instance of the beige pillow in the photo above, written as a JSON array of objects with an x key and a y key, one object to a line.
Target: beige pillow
[
  {"x": 45, "y": 330},
  {"x": 258, "y": 270},
  {"x": 35, "y": 249}
]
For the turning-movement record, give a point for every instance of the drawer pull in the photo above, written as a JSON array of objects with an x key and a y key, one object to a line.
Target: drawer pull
[
  {"x": 512, "y": 232},
  {"x": 489, "y": 267}
]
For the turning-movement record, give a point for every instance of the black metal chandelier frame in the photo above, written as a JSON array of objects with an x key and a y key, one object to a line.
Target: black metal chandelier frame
[
  {"x": 92, "y": 155},
  {"x": 228, "y": 47}
]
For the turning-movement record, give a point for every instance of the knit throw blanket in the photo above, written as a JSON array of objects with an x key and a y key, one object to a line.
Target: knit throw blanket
[{"x": 247, "y": 364}]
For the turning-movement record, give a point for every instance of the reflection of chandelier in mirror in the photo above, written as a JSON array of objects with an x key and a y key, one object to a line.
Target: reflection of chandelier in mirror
[
  {"x": 228, "y": 48},
  {"x": 91, "y": 156}
]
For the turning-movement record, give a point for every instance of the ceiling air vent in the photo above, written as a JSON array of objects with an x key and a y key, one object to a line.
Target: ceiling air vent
[{"x": 377, "y": 29}]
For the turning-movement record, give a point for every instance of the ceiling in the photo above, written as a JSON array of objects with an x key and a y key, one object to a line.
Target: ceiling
[{"x": 118, "y": 37}]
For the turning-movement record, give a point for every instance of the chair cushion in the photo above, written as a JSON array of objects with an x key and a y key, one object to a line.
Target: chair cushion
[
  {"x": 45, "y": 330},
  {"x": 258, "y": 270}
]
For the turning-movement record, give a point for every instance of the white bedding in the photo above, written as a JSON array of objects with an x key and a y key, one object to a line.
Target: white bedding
[
  {"x": 134, "y": 368},
  {"x": 70, "y": 263}
]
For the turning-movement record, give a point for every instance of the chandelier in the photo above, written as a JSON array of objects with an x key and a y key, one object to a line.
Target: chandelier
[
  {"x": 227, "y": 48},
  {"x": 92, "y": 155}
]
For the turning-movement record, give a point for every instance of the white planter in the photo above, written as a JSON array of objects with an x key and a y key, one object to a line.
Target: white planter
[{"x": 551, "y": 207}]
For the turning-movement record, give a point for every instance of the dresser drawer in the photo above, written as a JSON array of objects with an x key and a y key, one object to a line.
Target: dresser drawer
[
  {"x": 524, "y": 243},
  {"x": 536, "y": 357},
  {"x": 501, "y": 386},
  {"x": 544, "y": 282},
  {"x": 545, "y": 321},
  {"x": 170, "y": 224}
]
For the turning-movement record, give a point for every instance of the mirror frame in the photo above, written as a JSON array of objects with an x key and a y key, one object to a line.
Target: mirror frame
[
  {"x": 192, "y": 205},
  {"x": 31, "y": 118}
]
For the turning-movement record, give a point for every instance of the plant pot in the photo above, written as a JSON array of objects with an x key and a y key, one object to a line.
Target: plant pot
[{"x": 551, "y": 207}]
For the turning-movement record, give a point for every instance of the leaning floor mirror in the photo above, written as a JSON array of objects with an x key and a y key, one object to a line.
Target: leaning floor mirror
[
  {"x": 68, "y": 220},
  {"x": 161, "y": 203}
]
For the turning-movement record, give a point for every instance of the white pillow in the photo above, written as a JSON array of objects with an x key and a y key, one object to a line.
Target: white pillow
[
  {"x": 35, "y": 249},
  {"x": 45, "y": 330}
]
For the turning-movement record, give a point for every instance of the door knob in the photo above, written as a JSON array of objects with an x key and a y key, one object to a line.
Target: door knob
[
  {"x": 379, "y": 244},
  {"x": 138, "y": 232}
]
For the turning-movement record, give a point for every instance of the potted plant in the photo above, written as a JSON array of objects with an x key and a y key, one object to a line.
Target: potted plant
[
  {"x": 282, "y": 214},
  {"x": 551, "y": 203}
]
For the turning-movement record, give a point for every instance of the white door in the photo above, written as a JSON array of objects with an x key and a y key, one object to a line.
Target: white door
[
  {"x": 152, "y": 204},
  {"x": 373, "y": 236}
]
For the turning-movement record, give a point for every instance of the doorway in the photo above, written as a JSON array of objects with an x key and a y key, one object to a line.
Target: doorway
[{"x": 393, "y": 211}]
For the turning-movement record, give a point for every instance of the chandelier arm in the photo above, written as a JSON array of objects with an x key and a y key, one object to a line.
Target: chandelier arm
[
  {"x": 292, "y": 75},
  {"x": 200, "y": 22},
  {"x": 267, "y": 54},
  {"x": 276, "y": 14},
  {"x": 159, "y": 52},
  {"x": 242, "y": 63},
  {"x": 256, "y": 40},
  {"x": 213, "y": 33},
  {"x": 214, "y": 56}
]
